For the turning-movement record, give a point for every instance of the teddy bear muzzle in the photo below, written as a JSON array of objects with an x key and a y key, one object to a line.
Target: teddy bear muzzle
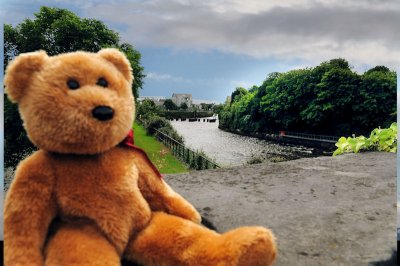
[{"x": 103, "y": 113}]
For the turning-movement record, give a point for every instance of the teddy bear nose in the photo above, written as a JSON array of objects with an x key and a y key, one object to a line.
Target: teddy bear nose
[{"x": 103, "y": 113}]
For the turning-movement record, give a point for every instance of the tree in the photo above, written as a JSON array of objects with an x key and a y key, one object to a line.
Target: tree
[
  {"x": 331, "y": 110},
  {"x": 376, "y": 101},
  {"x": 56, "y": 31},
  {"x": 170, "y": 105},
  {"x": 146, "y": 109},
  {"x": 184, "y": 106},
  {"x": 237, "y": 94},
  {"x": 328, "y": 99}
]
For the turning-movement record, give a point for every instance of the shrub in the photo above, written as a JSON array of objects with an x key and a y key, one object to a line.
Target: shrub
[{"x": 379, "y": 139}]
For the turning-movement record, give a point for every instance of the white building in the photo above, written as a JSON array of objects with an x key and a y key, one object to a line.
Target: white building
[{"x": 179, "y": 98}]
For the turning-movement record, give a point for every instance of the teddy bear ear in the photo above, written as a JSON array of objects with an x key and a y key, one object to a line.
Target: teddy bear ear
[
  {"x": 119, "y": 60},
  {"x": 19, "y": 72}
]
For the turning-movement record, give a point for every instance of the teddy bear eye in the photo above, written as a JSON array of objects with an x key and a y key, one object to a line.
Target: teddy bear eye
[
  {"x": 102, "y": 82},
  {"x": 73, "y": 84}
]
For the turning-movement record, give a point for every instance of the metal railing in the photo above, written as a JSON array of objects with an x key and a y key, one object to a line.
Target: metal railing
[
  {"x": 295, "y": 135},
  {"x": 194, "y": 159}
]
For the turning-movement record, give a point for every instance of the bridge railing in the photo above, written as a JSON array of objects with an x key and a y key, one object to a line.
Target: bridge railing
[
  {"x": 194, "y": 159},
  {"x": 323, "y": 138}
]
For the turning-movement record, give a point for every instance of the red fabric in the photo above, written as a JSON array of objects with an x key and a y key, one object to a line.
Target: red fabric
[{"x": 130, "y": 142}]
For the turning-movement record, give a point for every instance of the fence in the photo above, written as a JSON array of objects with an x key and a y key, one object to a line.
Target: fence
[
  {"x": 194, "y": 159},
  {"x": 295, "y": 135}
]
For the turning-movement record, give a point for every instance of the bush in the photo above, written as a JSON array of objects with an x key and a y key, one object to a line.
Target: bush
[
  {"x": 379, "y": 139},
  {"x": 155, "y": 122}
]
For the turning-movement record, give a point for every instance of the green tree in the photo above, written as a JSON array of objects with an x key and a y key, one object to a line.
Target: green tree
[
  {"x": 146, "y": 109},
  {"x": 170, "y": 105},
  {"x": 56, "y": 31},
  {"x": 331, "y": 110},
  {"x": 237, "y": 94},
  {"x": 376, "y": 99},
  {"x": 184, "y": 106},
  {"x": 328, "y": 99}
]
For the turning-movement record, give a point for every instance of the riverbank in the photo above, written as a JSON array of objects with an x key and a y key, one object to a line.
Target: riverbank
[
  {"x": 320, "y": 147},
  {"x": 324, "y": 211},
  {"x": 160, "y": 155}
]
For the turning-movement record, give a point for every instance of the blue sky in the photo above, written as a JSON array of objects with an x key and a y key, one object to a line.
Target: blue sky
[{"x": 207, "y": 48}]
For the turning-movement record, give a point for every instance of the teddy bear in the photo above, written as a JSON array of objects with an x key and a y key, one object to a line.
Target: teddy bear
[{"x": 111, "y": 202}]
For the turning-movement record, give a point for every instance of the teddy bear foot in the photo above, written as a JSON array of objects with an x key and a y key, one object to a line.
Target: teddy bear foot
[
  {"x": 171, "y": 240},
  {"x": 256, "y": 246}
]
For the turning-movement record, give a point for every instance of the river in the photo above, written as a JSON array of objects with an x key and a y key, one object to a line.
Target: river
[{"x": 228, "y": 149}]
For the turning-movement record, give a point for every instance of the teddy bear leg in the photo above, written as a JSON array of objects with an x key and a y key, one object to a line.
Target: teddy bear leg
[
  {"x": 80, "y": 245},
  {"x": 171, "y": 240}
]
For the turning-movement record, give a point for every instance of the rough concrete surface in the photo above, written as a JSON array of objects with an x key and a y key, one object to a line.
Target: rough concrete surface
[{"x": 324, "y": 211}]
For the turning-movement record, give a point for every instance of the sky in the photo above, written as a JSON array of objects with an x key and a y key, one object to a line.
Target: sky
[{"x": 208, "y": 48}]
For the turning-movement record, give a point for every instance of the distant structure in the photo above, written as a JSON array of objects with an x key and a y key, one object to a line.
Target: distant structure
[
  {"x": 179, "y": 98},
  {"x": 158, "y": 100}
]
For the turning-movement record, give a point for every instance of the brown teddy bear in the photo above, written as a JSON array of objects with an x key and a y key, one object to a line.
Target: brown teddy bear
[{"x": 78, "y": 108}]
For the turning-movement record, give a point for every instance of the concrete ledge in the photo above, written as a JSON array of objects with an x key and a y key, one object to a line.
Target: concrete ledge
[{"x": 324, "y": 211}]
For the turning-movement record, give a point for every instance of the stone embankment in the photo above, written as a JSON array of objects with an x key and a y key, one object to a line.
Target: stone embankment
[{"x": 324, "y": 211}]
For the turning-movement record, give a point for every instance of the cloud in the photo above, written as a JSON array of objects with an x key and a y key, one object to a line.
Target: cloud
[
  {"x": 161, "y": 77},
  {"x": 360, "y": 31}
]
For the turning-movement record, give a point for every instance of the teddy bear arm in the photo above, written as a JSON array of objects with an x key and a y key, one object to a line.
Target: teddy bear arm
[
  {"x": 29, "y": 209},
  {"x": 160, "y": 195}
]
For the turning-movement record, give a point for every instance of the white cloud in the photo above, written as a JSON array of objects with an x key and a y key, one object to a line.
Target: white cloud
[{"x": 160, "y": 77}]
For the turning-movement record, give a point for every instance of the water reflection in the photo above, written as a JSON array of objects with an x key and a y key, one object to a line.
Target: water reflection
[{"x": 229, "y": 149}]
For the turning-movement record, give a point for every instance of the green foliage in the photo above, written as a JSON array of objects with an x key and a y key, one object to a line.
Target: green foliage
[
  {"x": 156, "y": 122},
  {"x": 146, "y": 109},
  {"x": 217, "y": 108},
  {"x": 56, "y": 31},
  {"x": 237, "y": 94},
  {"x": 162, "y": 157},
  {"x": 328, "y": 99},
  {"x": 379, "y": 139},
  {"x": 170, "y": 105},
  {"x": 184, "y": 106}
]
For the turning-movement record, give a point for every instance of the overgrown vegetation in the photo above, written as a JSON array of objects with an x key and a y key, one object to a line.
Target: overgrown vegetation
[
  {"x": 148, "y": 114},
  {"x": 56, "y": 31},
  {"x": 328, "y": 99},
  {"x": 160, "y": 155},
  {"x": 379, "y": 139}
]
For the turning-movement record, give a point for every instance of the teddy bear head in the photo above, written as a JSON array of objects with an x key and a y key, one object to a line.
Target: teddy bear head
[{"x": 74, "y": 103}]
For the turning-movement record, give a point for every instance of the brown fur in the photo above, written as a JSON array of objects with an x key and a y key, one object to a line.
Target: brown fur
[{"x": 110, "y": 202}]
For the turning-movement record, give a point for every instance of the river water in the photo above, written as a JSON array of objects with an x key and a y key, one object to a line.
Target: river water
[{"x": 228, "y": 149}]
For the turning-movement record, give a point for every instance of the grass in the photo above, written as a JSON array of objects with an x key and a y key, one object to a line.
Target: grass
[{"x": 160, "y": 155}]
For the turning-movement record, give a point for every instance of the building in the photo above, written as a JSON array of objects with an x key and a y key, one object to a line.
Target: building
[{"x": 179, "y": 98}]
